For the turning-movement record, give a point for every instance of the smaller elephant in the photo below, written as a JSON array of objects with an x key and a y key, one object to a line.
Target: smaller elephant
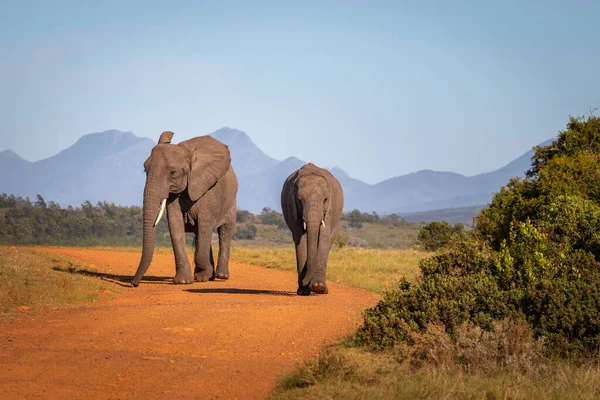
[{"x": 312, "y": 201}]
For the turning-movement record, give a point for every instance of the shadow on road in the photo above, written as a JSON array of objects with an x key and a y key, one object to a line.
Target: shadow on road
[
  {"x": 242, "y": 291},
  {"x": 121, "y": 280}
]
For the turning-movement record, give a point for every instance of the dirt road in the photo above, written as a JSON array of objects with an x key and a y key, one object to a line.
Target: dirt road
[{"x": 225, "y": 339}]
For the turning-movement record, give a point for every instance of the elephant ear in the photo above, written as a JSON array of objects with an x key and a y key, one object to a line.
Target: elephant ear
[
  {"x": 293, "y": 196},
  {"x": 209, "y": 161},
  {"x": 165, "y": 137}
]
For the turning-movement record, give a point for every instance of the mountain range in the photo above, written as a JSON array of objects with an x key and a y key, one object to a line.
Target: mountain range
[{"x": 107, "y": 166}]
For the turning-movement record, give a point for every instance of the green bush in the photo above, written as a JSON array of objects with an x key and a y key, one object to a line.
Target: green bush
[
  {"x": 245, "y": 232},
  {"x": 272, "y": 217},
  {"x": 242, "y": 216},
  {"x": 437, "y": 234},
  {"x": 341, "y": 241},
  {"x": 533, "y": 255}
]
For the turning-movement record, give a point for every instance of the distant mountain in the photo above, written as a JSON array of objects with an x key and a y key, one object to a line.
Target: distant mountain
[
  {"x": 109, "y": 166},
  {"x": 11, "y": 168},
  {"x": 99, "y": 166},
  {"x": 246, "y": 157}
]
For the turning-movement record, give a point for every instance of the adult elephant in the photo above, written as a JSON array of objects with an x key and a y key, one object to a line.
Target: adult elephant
[
  {"x": 195, "y": 182},
  {"x": 312, "y": 201}
]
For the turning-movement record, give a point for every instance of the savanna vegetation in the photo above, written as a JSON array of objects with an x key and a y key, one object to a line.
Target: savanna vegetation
[
  {"x": 26, "y": 222},
  {"x": 437, "y": 234},
  {"x": 371, "y": 269},
  {"x": 30, "y": 278},
  {"x": 509, "y": 309}
]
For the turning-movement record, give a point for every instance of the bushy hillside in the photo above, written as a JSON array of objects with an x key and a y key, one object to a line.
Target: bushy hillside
[{"x": 533, "y": 256}]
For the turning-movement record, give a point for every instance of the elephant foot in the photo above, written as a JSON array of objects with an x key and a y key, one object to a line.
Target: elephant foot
[
  {"x": 183, "y": 279},
  {"x": 203, "y": 277},
  {"x": 303, "y": 291},
  {"x": 222, "y": 271},
  {"x": 223, "y": 275},
  {"x": 319, "y": 287}
]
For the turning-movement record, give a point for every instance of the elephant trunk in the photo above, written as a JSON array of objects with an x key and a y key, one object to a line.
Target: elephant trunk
[
  {"x": 313, "y": 226},
  {"x": 152, "y": 202}
]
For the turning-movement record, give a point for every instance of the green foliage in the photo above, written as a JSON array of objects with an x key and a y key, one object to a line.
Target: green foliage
[
  {"x": 242, "y": 216},
  {"x": 24, "y": 222},
  {"x": 534, "y": 254},
  {"x": 272, "y": 217},
  {"x": 245, "y": 232},
  {"x": 356, "y": 219},
  {"x": 41, "y": 223},
  {"x": 437, "y": 234},
  {"x": 341, "y": 241}
]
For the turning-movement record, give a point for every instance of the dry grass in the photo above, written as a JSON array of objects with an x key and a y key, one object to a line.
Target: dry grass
[
  {"x": 371, "y": 269},
  {"x": 350, "y": 373},
  {"x": 381, "y": 236},
  {"x": 29, "y": 278},
  {"x": 371, "y": 235},
  {"x": 508, "y": 346}
]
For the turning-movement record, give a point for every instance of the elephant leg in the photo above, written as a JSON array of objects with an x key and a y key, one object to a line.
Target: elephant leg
[
  {"x": 183, "y": 274},
  {"x": 205, "y": 263},
  {"x": 225, "y": 232},
  {"x": 318, "y": 282},
  {"x": 301, "y": 265}
]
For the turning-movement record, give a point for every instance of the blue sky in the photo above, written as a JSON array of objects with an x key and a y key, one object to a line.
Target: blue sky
[{"x": 378, "y": 88}]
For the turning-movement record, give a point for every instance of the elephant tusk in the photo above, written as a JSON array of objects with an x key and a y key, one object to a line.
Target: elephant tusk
[
  {"x": 163, "y": 204},
  {"x": 323, "y": 223},
  {"x": 304, "y": 225}
]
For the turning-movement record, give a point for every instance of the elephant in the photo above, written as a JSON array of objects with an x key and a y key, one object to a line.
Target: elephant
[
  {"x": 312, "y": 201},
  {"x": 195, "y": 182}
]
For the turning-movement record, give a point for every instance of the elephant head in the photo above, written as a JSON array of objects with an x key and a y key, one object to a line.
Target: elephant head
[{"x": 192, "y": 166}]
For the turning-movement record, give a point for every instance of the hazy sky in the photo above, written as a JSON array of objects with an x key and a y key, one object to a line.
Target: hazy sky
[{"x": 378, "y": 88}]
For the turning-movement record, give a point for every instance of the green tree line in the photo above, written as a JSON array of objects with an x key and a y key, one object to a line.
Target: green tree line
[{"x": 25, "y": 222}]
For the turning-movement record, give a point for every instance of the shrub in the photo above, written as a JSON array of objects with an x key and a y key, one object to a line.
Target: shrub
[
  {"x": 533, "y": 255},
  {"x": 272, "y": 217},
  {"x": 242, "y": 216},
  {"x": 245, "y": 232},
  {"x": 341, "y": 240},
  {"x": 437, "y": 234},
  {"x": 509, "y": 345}
]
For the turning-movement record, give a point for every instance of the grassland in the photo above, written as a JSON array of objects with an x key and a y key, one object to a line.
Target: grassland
[
  {"x": 370, "y": 235},
  {"x": 28, "y": 278},
  {"x": 350, "y": 373},
  {"x": 370, "y": 269},
  {"x": 347, "y": 372}
]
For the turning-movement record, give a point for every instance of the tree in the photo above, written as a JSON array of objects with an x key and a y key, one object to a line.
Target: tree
[
  {"x": 245, "y": 232},
  {"x": 39, "y": 202},
  {"x": 354, "y": 218},
  {"x": 242, "y": 216},
  {"x": 272, "y": 217},
  {"x": 437, "y": 234}
]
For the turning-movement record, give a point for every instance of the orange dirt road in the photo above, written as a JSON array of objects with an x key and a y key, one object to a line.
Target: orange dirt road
[{"x": 214, "y": 340}]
